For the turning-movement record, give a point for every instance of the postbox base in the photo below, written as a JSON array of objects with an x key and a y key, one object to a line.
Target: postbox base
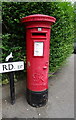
[{"x": 37, "y": 99}]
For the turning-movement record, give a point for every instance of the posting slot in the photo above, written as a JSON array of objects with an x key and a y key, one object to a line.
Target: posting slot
[{"x": 38, "y": 35}]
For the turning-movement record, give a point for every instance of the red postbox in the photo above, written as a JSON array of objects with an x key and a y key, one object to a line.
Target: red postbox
[{"x": 38, "y": 28}]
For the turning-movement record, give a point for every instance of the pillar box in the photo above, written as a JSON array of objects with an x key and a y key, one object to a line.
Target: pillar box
[{"x": 38, "y": 28}]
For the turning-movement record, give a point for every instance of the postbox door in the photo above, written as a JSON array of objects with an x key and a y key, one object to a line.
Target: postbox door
[{"x": 37, "y": 60}]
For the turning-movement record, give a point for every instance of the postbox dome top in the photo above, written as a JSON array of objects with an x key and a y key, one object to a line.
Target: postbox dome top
[{"x": 38, "y": 17}]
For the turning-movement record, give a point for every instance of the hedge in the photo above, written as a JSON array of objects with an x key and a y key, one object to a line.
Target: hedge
[{"x": 62, "y": 34}]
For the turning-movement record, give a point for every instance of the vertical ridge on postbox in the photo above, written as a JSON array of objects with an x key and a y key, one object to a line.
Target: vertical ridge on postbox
[{"x": 37, "y": 48}]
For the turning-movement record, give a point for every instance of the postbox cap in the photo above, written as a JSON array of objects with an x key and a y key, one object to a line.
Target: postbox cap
[{"x": 38, "y": 17}]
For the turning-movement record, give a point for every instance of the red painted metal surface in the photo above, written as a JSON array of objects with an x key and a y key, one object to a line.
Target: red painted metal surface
[{"x": 37, "y": 50}]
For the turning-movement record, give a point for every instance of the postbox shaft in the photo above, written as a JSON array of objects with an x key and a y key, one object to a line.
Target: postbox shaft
[{"x": 37, "y": 53}]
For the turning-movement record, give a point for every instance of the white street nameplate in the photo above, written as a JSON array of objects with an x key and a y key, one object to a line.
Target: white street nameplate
[{"x": 11, "y": 66}]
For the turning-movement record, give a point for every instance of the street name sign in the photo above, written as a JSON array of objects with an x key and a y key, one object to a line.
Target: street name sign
[{"x": 11, "y": 66}]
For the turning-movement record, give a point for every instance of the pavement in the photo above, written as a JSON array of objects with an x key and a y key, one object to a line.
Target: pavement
[{"x": 60, "y": 97}]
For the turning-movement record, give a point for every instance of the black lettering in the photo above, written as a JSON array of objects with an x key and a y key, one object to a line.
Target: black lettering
[
  {"x": 10, "y": 66},
  {"x": 5, "y": 67},
  {"x": 21, "y": 66}
]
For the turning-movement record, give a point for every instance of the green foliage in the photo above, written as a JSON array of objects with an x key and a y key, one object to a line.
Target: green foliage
[
  {"x": 62, "y": 35},
  {"x": 75, "y": 22}
]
